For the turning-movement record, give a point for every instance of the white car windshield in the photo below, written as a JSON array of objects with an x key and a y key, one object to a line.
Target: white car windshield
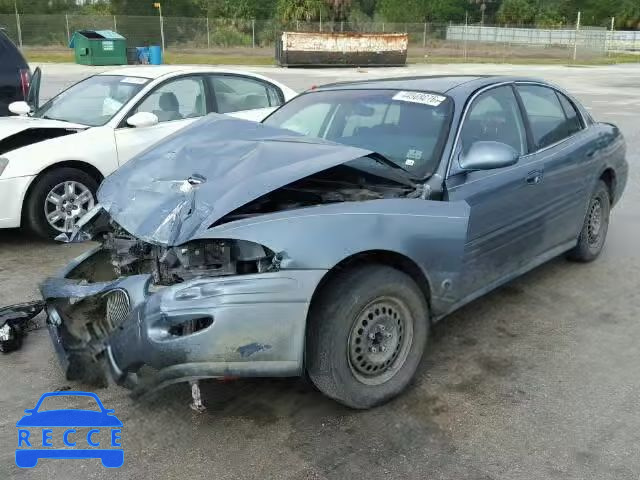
[{"x": 93, "y": 101}]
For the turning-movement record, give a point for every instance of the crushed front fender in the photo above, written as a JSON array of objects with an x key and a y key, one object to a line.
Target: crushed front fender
[{"x": 146, "y": 337}]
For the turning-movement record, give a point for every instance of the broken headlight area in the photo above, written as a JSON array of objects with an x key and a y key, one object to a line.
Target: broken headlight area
[{"x": 126, "y": 255}]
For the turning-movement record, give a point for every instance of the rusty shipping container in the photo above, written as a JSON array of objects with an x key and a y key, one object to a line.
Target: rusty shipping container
[{"x": 347, "y": 49}]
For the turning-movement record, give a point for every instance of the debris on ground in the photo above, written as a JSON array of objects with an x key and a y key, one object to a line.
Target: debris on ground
[{"x": 15, "y": 322}]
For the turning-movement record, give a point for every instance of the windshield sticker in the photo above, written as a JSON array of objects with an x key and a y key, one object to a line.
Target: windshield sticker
[
  {"x": 412, "y": 156},
  {"x": 134, "y": 80},
  {"x": 419, "y": 97}
]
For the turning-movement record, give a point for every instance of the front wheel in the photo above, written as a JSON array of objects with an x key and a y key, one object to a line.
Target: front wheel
[
  {"x": 366, "y": 335},
  {"x": 58, "y": 199},
  {"x": 595, "y": 227}
]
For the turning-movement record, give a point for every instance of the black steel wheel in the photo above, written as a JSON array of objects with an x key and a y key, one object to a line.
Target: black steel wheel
[
  {"x": 595, "y": 227},
  {"x": 367, "y": 332},
  {"x": 380, "y": 339}
]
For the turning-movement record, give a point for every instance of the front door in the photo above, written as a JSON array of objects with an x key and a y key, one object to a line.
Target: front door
[
  {"x": 176, "y": 103},
  {"x": 504, "y": 223}
]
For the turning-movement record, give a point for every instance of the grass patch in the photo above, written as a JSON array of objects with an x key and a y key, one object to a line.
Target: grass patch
[
  {"x": 264, "y": 57},
  {"x": 204, "y": 59},
  {"x": 39, "y": 56},
  {"x": 527, "y": 61},
  {"x": 171, "y": 58}
]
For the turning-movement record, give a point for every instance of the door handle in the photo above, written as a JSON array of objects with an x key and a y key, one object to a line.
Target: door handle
[{"x": 534, "y": 178}]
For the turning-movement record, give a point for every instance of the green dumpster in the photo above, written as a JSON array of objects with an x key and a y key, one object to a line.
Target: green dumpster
[{"x": 99, "y": 47}]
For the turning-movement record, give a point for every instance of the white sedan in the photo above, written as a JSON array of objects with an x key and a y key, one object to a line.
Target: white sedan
[{"x": 53, "y": 158}]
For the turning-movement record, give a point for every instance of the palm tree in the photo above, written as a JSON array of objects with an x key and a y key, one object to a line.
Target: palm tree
[
  {"x": 301, "y": 10},
  {"x": 311, "y": 10}
]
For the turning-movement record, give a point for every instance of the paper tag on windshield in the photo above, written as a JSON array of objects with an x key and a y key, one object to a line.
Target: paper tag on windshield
[
  {"x": 420, "y": 97},
  {"x": 134, "y": 80}
]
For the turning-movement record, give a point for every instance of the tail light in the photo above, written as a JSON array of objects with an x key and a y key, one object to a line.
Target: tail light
[{"x": 25, "y": 81}]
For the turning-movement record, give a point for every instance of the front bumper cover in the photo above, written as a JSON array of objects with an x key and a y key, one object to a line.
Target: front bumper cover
[{"x": 255, "y": 327}]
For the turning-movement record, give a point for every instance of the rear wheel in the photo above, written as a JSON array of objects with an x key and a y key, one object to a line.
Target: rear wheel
[
  {"x": 367, "y": 333},
  {"x": 595, "y": 227},
  {"x": 57, "y": 201}
]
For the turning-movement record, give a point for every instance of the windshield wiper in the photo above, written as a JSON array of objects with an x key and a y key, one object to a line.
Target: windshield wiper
[{"x": 389, "y": 163}]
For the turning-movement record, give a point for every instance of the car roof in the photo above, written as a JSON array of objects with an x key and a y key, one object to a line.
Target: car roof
[
  {"x": 434, "y": 83},
  {"x": 156, "y": 71}
]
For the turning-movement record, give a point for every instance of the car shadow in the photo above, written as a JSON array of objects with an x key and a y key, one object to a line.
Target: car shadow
[{"x": 467, "y": 353}]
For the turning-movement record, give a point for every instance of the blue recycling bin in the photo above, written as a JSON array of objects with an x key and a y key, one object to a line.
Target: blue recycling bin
[{"x": 155, "y": 55}]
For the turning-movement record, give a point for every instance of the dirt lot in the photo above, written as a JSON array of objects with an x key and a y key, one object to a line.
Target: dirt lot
[{"x": 539, "y": 380}]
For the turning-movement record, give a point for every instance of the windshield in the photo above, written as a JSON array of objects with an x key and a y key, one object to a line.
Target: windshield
[
  {"x": 408, "y": 128},
  {"x": 93, "y": 101}
]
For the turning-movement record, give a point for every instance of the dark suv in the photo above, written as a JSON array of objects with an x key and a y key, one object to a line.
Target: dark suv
[{"x": 15, "y": 75}]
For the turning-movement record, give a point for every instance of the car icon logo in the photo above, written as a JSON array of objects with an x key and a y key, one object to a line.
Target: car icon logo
[{"x": 81, "y": 433}]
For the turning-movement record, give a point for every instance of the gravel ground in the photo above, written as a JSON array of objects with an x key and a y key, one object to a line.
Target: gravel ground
[{"x": 538, "y": 380}]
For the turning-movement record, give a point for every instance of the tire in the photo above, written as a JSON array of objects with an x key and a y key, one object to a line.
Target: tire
[
  {"x": 595, "y": 227},
  {"x": 34, "y": 216},
  {"x": 347, "y": 311}
]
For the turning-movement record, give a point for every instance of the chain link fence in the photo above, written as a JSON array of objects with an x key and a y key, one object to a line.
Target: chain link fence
[{"x": 430, "y": 40}]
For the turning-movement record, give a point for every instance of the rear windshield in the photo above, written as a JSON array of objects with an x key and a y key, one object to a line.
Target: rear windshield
[
  {"x": 409, "y": 128},
  {"x": 9, "y": 54}
]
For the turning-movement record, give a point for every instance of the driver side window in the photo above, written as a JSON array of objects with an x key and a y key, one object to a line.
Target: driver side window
[
  {"x": 176, "y": 100},
  {"x": 494, "y": 116}
]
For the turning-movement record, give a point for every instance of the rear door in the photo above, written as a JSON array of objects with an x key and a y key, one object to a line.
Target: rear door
[
  {"x": 561, "y": 144},
  {"x": 505, "y": 223},
  {"x": 177, "y": 103}
]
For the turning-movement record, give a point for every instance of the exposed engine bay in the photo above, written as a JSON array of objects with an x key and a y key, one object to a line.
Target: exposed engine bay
[
  {"x": 338, "y": 184},
  {"x": 128, "y": 255}
]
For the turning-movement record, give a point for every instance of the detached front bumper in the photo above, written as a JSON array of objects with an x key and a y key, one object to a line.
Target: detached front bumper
[{"x": 241, "y": 325}]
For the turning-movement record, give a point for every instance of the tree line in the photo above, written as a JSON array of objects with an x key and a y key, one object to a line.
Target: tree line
[{"x": 511, "y": 12}]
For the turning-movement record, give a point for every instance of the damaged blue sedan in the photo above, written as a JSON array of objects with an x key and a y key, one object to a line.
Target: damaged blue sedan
[{"x": 326, "y": 240}]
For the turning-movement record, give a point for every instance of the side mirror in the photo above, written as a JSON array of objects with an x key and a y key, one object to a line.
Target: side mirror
[
  {"x": 489, "y": 155},
  {"x": 142, "y": 119},
  {"x": 20, "y": 108}
]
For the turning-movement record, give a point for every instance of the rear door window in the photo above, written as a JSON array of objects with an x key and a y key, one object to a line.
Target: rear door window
[
  {"x": 9, "y": 53},
  {"x": 547, "y": 118},
  {"x": 235, "y": 93},
  {"x": 574, "y": 125}
]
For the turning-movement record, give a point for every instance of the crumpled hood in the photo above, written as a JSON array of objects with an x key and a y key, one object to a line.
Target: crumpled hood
[
  {"x": 12, "y": 125},
  {"x": 185, "y": 183}
]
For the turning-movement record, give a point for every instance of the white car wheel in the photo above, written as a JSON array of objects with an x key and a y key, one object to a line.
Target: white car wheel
[{"x": 66, "y": 203}]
